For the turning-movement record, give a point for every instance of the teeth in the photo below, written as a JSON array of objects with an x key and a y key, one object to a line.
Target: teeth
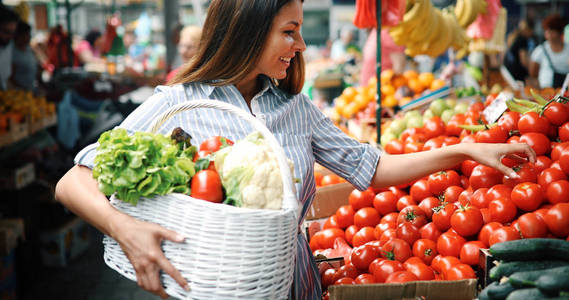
[{"x": 285, "y": 59}]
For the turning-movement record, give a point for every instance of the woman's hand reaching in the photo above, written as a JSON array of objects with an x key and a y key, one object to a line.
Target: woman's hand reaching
[
  {"x": 141, "y": 241},
  {"x": 491, "y": 155}
]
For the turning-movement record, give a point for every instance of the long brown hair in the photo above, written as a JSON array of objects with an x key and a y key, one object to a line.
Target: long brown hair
[{"x": 232, "y": 41}]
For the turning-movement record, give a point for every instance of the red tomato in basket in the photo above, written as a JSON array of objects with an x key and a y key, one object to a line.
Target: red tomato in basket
[
  {"x": 425, "y": 249},
  {"x": 206, "y": 185},
  {"x": 401, "y": 277},
  {"x": 202, "y": 155},
  {"x": 214, "y": 143}
]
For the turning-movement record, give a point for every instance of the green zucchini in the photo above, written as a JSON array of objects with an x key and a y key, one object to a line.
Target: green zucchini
[
  {"x": 483, "y": 295},
  {"x": 530, "y": 249},
  {"x": 508, "y": 268},
  {"x": 529, "y": 278},
  {"x": 553, "y": 284},
  {"x": 526, "y": 294},
  {"x": 499, "y": 291}
]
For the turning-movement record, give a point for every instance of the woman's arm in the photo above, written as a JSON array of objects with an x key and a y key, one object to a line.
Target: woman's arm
[
  {"x": 78, "y": 191},
  {"x": 400, "y": 169},
  {"x": 524, "y": 58}
]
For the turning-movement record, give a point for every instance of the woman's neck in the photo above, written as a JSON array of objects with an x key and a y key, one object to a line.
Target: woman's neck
[
  {"x": 248, "y": 89},
  {"x": 556, "y": 46}
]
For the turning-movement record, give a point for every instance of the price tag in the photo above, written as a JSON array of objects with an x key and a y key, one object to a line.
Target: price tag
[{"x": 493, "y": 111}]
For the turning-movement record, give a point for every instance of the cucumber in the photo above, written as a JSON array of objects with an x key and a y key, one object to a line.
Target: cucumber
[
  {"x": 530, "y": 249},
  {"x": 526, "y": 294},
  {"x": 552, "y": 284},
  {"x": 509, "y": 268},
  {"x": 484, "y": 293},
  {"x": 499, "y": 291},
  {"x": 529, "y": 278}
]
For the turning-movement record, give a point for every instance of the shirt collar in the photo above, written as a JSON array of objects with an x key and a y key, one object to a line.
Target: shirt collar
[{"x": 268, "y": 85}]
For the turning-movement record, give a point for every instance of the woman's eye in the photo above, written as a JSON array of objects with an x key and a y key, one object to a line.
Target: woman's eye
[{"x": 289, "y": 32}]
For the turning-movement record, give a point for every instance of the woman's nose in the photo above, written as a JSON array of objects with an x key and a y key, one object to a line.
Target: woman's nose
[{"x": 300, "y": 44}]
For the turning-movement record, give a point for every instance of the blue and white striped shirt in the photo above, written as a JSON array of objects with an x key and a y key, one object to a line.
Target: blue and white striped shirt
[{"x": 304, "y": 132}]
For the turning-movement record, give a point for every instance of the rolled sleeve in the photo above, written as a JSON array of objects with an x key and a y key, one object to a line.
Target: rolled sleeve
[
  {"x": 86, "y": 157},
  {"x": 343, "y": 155}
]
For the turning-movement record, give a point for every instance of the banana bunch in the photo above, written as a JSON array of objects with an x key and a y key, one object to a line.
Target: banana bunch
[
  {"x": 428, "y": 30},
  {"x": 467, "y": 11}
]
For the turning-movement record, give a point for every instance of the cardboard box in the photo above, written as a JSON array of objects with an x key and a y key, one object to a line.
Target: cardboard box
[
  {"x": 439, "y": 290},
  {"x": 11, "y": 231},
  {"x": 65, "y": 243},
  {"x": 328, "y": 198},
  {"x": 485, "y": 262}
]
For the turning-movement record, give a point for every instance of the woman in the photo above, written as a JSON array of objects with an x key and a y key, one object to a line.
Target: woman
[
  {"x": 24, "y": 63},
  {"x": 520, "y": 44},
  {"x": 550, "y": 61},
  {"x": 260, "y": 71},
  {"x": 89, "y": 49},
  {"x": 187, "y": 46}
]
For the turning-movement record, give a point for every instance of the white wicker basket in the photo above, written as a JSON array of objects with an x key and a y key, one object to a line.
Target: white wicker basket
[{"x": 229, "y": 252}]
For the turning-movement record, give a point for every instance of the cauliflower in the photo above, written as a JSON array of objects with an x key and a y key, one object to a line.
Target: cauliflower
[{"x": 250, "y": 173}]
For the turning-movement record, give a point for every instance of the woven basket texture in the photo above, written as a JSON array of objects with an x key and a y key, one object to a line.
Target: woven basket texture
[{"x": 229, "y": 252}]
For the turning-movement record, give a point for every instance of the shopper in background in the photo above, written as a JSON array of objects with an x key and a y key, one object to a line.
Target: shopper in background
[
  {"x": 89, "y": 50},
  {"x": 339, "y": 51},
  {"x": 260, "y": 71},
  {"x": 550, "y": 61},
  {"x": 24, "y": 63},
  {"x": 187, "y": 46},
  {"x": 520, "y": 44},
  {"x": 8, "y": 25}
]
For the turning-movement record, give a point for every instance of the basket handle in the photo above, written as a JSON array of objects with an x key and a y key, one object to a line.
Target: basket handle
[{"x": 289, "y": 197}]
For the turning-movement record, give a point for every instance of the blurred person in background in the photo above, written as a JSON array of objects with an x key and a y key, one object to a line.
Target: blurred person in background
[
  {"x": 89, "y": 49},
  {"x": 520, "y": 44},
  {"x": 24, "y": 62},
  {"x": 549, "y": 62},
  {"x": 8, "y": 25},
  {"x": 339, "y": 50},
  {"x": 187, "y": 46}
]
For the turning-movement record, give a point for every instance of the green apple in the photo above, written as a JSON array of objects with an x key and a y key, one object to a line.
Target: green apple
[
  {"x": 386, "y": 137},
  {"x": 415, "y": 122},
  {"x": 411, "y": 114},
  {"x": 451, "y": 103},
  {"x": 461, "y": 108},
  {"x": 447, "y": 114},
  {"x": 428, "y": 114},
  {"x": 397, "y": 126},
  {"x": 438, "y": 106}
]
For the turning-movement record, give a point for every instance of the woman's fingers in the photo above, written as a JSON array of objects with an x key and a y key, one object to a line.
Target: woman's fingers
[
  {"x": 165, "y": 264},
  {"x": 526, "y": 149}
]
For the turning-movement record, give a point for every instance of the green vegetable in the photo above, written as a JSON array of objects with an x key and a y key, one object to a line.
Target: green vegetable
[
  {"x": 529, "y": 278},
  {"x": 142, "y": 164},
  {"x": 499, "y": 291},
  {"x": 552, "y": 284},
  {"x": 527, "y": 249},
  {"x": 526, "y": 294},
  {"x": 508, "y": 268}
]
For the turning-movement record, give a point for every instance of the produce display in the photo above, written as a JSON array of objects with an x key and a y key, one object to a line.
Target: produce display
[
  {"x": 243, "y": 174},
  {"x": 443, "y": 29},
  {"x": 522, "y": 274},
  {"x": 433, "y": 228},
  {"x": 22, "y": 106}
]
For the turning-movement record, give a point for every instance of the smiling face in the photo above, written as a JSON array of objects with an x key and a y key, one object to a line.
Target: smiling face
[{"x": 283, "y": 42}]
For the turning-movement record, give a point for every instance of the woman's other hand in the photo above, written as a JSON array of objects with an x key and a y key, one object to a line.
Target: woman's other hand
[
  {"x": 141, "y": 242},
  {"x": 491, "y": 155}
]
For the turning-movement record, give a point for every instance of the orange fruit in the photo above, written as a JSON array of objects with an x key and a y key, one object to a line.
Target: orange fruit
[
  {"x": 386, "y": 75},
  {"x": 389, "y": 101},
  {"x": 387, "y": 89},
  {"x": 437, "y": 84},
  {"x": 398, "y": 81},
  {"x": 349, "y": 93},
  {"x": 426, "y": 78},
  {"x": 373, "y": 81},
  {"x": 404, "y": 100},
  {"x": 409, "y": 74},
  {"x": 416, "y": 85}
]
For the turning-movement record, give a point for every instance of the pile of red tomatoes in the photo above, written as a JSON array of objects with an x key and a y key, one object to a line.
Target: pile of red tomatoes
[{"x": 433, "y": 228}]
